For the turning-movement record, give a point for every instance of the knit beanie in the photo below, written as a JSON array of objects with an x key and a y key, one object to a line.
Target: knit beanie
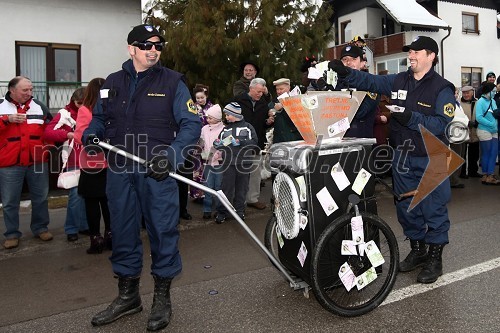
[
  {"x": 486, "y": 87},
  {"x": 214, "y": 111},
  {"x": 233, "y": 109}
]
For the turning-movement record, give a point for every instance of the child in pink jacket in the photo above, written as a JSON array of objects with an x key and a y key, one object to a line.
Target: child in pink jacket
[{"x": 212, "y": 168}]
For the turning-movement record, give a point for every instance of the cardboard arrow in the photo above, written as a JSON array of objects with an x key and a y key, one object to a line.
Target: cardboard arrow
[{"x": 442, "y": 163}]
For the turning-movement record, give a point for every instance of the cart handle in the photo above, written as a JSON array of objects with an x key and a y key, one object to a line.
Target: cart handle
[{"x": 219, "y": 194}]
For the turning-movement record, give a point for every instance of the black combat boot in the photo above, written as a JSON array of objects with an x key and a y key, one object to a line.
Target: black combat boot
[
  {"x": 161, "y": 310},
  {"x": 128, "y": 302},
  {"x": 416, "y": 258},
  {"x": 96, "y": 244},
  {"x": 434, "y": 266}
]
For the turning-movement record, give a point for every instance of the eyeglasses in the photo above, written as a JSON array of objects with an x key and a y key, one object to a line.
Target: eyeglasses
[{"x": 149, "y": 45}]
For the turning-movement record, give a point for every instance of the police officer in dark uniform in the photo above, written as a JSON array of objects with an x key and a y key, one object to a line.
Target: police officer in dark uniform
[
  {"x": 147, "y": 111},
  {"x": 364, "y": 120},
  {"x": 426, "y": 99}
]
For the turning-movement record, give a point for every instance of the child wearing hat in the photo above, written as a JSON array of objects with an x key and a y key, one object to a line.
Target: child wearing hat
[
  {"x": 238, "y": 143},
  {"x": 212, "y": 173}
]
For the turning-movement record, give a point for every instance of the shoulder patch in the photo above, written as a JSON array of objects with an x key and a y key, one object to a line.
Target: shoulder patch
[
  {"x": 192, "y": 107},
  {"x": 449, "y": 110},
  {"x": 372, "y": 95}
]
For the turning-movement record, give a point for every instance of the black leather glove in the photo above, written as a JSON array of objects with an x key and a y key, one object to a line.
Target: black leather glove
[
  {"x": 338, "y": 67},
  {"x": 159, "y": 168},
  {"x": 321, "y": 84},
  {"x": 402, "y": 117},
  {"x": 91, "y": 140}
]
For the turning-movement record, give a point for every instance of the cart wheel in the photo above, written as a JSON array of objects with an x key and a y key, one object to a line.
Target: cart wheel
[
  {"x": 270, "y": 237},
  {"x": 327, "y": 259}
]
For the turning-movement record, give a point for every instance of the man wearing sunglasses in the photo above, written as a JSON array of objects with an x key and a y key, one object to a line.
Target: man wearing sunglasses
[{"x": 146, "y": 110}]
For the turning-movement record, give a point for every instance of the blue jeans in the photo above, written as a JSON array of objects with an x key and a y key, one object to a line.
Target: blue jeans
[
  {"x": 489, "y": 152},
  {"x": 11, "y": 185},
  {"x": 213, "y": 178},
  {"x": 76, "y": 218}
]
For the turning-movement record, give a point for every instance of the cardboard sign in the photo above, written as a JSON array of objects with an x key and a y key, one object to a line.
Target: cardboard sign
[{"x": 314, "y": 112}]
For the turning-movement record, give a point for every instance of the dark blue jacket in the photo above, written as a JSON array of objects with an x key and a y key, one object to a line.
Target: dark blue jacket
[
  {"x": 147, "y": 113},
  {"x": 242, "y": 154},
  {"x": 430, "y": 99}
]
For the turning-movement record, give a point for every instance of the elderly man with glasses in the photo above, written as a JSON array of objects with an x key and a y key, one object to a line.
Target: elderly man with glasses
[{"x": 146, "y": 110}]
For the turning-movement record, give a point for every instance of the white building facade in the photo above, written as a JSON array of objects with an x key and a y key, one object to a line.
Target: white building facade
[{"x": 62, "y": 41}]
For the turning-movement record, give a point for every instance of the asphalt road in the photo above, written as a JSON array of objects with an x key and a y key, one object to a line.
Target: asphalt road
[{"x": 228, "y": 285}]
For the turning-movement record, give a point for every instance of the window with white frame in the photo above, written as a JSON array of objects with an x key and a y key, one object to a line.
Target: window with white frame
[{"x": 393, "y": 66}]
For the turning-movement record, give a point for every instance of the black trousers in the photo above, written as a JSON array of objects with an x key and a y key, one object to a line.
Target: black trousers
[{"x": 470, "y": 166}]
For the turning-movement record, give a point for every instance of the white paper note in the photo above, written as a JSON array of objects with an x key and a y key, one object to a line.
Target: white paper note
[
  {"x": 302, "y": 255},
  {"x": 326, "y": 200},
  {"x": 366, "y": 278},
  {"x": 302, "y": 188},
  {"x": 358, "y": 236},
  {"x": 361, "y": 181},
  {"x": 339, "y": 127},
  {"x": 339, "y": 177},
  {"x": 348, "y": 248},
  {"x": 373, "y": 254},
  {"x": 347, "y": 276}
]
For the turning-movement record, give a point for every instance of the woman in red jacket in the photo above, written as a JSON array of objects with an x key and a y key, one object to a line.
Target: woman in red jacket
[
  {"x": 59, "y": 130},
  {"x": 92, "y": 185}
]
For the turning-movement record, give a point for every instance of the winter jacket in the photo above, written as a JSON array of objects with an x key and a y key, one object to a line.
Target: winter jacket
[
  {"x": 209, "y": 133},
  {"x": 59, "y": 135},
  {"x": 242, "y": 153},
  {"x": 22, "y": 143},
  {"x": 255, "y": 114},
  {"x": 484, "y": 115}
]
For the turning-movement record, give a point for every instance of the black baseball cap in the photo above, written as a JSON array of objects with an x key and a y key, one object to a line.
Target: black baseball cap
[
  {"x": 352, "y": 51},
  {"x": 422, "y": 43},
  {"x": 143, "y": 32}
]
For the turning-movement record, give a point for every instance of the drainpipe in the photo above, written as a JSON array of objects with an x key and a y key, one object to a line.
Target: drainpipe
[{"x": 442, "y": 50}]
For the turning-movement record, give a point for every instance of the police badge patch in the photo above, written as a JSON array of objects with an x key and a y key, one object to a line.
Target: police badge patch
[
  {"x": 449, "y": 110},
  {"x": 192, "y": 107}
]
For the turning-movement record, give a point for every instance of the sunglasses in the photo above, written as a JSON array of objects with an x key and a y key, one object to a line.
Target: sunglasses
[{"x": 148, "y": 45}]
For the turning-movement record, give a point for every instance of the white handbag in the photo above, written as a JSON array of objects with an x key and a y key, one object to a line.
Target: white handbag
[{"x": 67, "y": 179}]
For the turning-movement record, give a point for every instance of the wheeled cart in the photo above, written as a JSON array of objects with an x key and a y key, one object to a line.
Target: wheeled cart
[{"x": 325, "y": 229}]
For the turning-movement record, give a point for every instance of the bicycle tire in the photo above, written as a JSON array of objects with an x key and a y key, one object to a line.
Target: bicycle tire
[
  {"x": 327, "y": 259},
  {"x": 270, "y": 238}
]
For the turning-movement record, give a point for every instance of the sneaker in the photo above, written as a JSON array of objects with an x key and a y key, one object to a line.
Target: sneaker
[
  {"x": 45, "y": 236},
  {"x": 11, "y": 243},
  {"x": 220, "y": 219},
  {"x": 72, "y": 237},
  {"x": 257, "y": 205},
  {"x": 491, "y": 180},
  {"x": 207, "y": 215}
]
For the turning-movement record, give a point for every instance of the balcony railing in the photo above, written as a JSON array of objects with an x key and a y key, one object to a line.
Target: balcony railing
[{"x": 55, "y": 95}]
